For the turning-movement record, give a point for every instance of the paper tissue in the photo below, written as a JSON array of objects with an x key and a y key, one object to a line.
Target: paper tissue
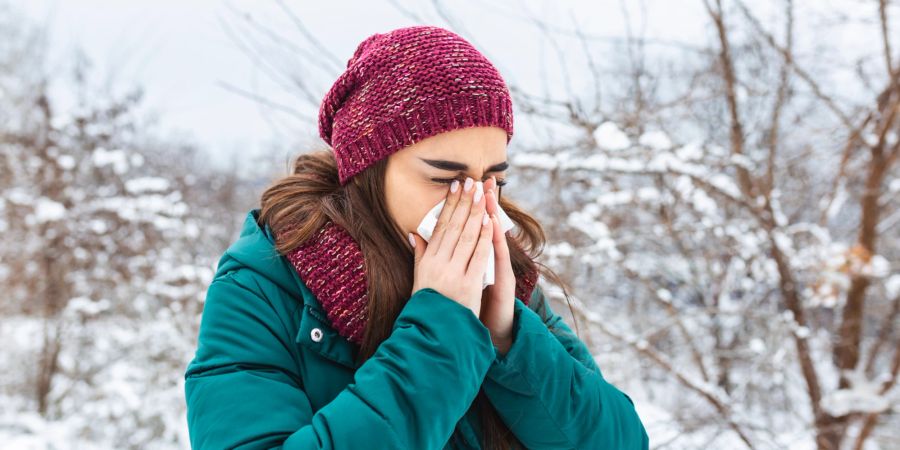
[{"x": 426, "y": 227}]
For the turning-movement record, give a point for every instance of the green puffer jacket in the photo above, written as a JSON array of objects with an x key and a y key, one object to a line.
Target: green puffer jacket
[{"x": 269, "y": 372}]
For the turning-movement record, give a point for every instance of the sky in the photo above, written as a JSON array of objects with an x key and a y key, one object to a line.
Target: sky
[{"x": 182, "y": 55}]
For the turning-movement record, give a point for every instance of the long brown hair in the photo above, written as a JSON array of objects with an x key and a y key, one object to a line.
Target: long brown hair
[{"x": 311, "y": 194}]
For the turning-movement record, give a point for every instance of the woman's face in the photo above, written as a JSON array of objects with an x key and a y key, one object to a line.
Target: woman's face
[{"x": 419, "y": 176}]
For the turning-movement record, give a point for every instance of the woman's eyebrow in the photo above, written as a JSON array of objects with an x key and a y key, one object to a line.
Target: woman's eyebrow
[{"x": 458, "y": 166}]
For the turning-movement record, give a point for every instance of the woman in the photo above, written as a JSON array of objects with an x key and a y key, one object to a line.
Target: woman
[{"x": 331, "y": 323}]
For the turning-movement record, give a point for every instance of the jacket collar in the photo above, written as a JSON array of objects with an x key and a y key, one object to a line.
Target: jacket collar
[{"x": 255, "y": 249}]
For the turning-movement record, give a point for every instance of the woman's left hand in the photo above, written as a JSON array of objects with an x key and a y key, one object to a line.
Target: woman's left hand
[{"x": 498, "y": 301}]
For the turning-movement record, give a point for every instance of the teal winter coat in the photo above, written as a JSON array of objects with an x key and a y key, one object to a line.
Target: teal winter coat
[{"x": 269, "y": 372}]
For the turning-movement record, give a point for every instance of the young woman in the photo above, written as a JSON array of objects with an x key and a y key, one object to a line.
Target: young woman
[{"x": 331, "y": 323}]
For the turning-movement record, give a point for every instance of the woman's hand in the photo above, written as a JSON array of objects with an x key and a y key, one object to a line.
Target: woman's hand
[
  {"x": 498, "y": 306},
  {"x": 455, "y": 260}
]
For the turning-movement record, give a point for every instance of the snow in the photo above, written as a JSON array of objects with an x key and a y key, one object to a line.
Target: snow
[
  {"x": 18, "y": 196},
  {"x": 742, "y": 160},
  {"x": 869, "y": 138},
  {"x": 535, "y": 160},
  {"x": 98, "y": 226},
  {"x": 690, "y": 151},
  {"x": 703, "y": 203},
  {"x": 559, "y": 249},
  {"x": 757, "y": 345},
  {"x": 115, "y": 158},
  {"x": 863, "y": 396},
  {"x": 656, "y": 140},
  {"x": 150, "y": 207},
  {"x": 46, "y": 210},
  {"x": 586, "y": 221},
  {"x": 891, "y": 138},
  {"x": 86, "y": 307},
  {"x": 664, "y": 295},
  {"x": 781, "y": 219},
  {"x": 840, "y": 197},
  {"x": 660, "y": 162},
  {"x": 66, "y": 162},
  {"x": 878, "y": 266},
  {"x": 609, "y": 137},
  {"x": 120, "y": 385},
  {"x": 892, "y": 286},
  {"x": 146, "y": 184}
]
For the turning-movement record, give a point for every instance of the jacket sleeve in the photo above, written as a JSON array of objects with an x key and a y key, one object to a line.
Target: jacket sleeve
[
  {"x": 550, "y": 392},
  {"x": 243, "y": 388}
]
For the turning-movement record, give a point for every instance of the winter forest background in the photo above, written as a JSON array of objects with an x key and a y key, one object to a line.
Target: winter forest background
[{"x": 723, "y": 200}]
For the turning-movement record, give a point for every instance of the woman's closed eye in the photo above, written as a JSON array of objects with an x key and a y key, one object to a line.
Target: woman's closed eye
[{"x": 500, "y": 182}]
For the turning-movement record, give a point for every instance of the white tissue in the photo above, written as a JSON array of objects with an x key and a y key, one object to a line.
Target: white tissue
[{"x": 426, "y": 227}]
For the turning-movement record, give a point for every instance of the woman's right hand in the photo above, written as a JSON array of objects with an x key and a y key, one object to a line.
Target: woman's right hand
[{"x": 454, "y": 261}]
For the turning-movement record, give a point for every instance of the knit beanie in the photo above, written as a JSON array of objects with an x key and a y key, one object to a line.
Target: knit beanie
[
  {"x": 405, "y": 85},
  {"x": 399, "y": 87}
]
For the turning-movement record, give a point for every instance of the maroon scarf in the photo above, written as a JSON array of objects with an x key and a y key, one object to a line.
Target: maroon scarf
[{"x": 332, "y": 266}]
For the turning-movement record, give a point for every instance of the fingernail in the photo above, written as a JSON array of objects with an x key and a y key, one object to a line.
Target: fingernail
[
  {"x": 454, "y": 186},
  {"x": 412, "y": 240},
  {"x": 484, "y": 221},
  {"x": 469, "y": 183},
  {"x": 479, "y": 191}
]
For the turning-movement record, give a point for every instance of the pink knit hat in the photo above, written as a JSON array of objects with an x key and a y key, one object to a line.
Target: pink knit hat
[{"x": 405, "y": 85}]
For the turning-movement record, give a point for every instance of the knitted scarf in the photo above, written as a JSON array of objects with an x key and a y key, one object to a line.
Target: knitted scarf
[{"x": 332, "y": 266}]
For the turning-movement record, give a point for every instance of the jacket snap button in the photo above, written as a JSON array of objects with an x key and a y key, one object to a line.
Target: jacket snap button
[{"x": 316, "y": 334}]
